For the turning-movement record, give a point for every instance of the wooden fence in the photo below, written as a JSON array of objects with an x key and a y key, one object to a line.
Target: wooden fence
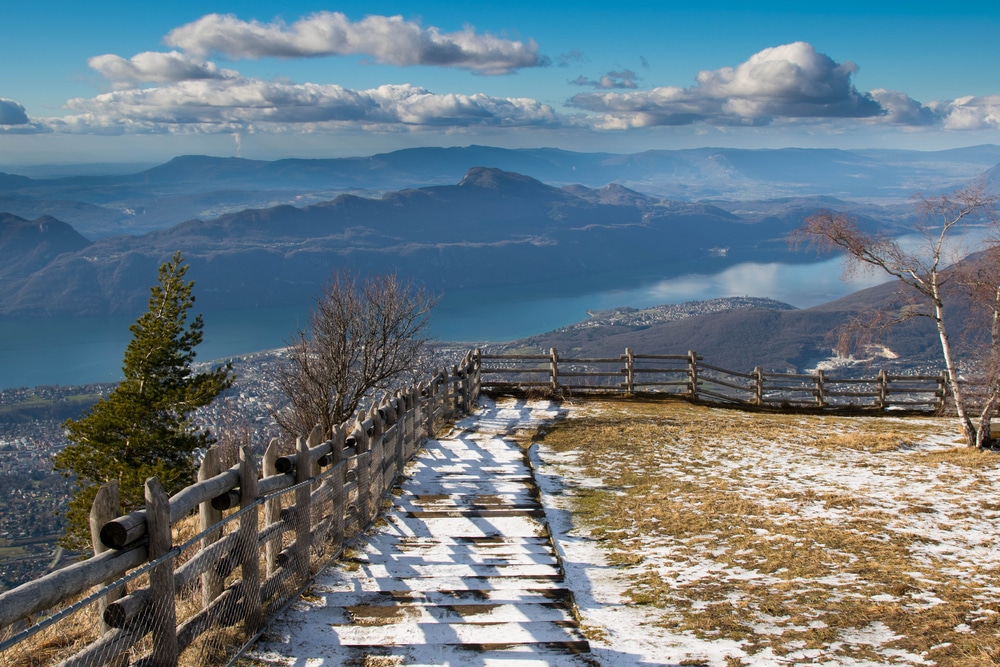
[
  {"x": 689, "y": 376},
  {"x": 243, "y": 565},
  {"x": 264, "y": 531}
]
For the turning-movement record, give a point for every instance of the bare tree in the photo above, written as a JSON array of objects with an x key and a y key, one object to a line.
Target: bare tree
[
  {"x": 363, "y": 337},
  {"x": 925, "y": 267},
  {"x": 980, "y": 280}
]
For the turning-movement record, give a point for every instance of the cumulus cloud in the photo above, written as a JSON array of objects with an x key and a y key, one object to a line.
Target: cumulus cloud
[
  {"x": 388, "y": 39},
  {"x": 970, "y": 113},
  {"x": 901, "y": 109},
  {"x": 789, "y": 81},
  {"x": 181, "y": 91},
  {"x": 612, "y": 80},
  {"x": 221, "y": 106},
  {"x": 12, "y": 113},
  {"x": 154, "y": 67}
]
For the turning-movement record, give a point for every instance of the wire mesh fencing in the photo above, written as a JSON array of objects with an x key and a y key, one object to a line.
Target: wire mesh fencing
[
  {"x": 208, "y": 566},
  {"x": 211, "y": 613}
]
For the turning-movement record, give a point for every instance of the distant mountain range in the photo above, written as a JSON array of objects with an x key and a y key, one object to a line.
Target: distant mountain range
[
  {"x": 204, "y": 187},
  {"x": 493, "y": 228}
]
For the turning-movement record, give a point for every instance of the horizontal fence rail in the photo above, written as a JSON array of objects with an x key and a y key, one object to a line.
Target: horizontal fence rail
[
  {"x": 689, "y": 376},
  {"x": 165, "y": 589},
  {"x": 263, "y": 529}
]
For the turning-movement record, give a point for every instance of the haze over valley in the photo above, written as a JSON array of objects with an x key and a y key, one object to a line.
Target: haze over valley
[
  {"x": 528, "y": 166},
  {"x": 511, "y": 255}
]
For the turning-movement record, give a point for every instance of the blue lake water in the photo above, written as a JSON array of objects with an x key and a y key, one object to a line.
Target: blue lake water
[{"x": 70, "y": 351}]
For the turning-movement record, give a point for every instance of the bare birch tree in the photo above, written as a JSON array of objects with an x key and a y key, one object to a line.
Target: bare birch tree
[
  {"x": 924, "y": 267},
  {"x": 363, "y": 337},
  {"x": 980, "y": 280}
]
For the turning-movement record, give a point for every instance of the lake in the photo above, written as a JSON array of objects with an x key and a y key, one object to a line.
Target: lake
[{"x": 71, "y": 351}]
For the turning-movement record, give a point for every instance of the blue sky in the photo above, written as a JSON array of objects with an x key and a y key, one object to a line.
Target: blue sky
[{"x": 126, "y": 81}]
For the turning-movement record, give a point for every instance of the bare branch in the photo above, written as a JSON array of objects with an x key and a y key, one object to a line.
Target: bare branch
[
  {"x": 364, "y": 337},
  {"x": 928, "y": 268}
]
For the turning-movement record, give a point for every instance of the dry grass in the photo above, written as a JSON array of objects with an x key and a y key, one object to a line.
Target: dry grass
[{"x": 804, "y": 536}]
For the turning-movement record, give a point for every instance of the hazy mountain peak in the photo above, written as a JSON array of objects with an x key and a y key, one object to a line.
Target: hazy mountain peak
[
  {"x": 612, "y": 193},
  {"x": 28, "y": 245},
  {"x": 201, "y": 167},
  {"x": 12, "y": 181},
  {"x": 494, "y": 179}
]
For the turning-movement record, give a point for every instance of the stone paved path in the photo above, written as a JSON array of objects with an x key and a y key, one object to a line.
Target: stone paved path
[{"x": 462, "y": 572}]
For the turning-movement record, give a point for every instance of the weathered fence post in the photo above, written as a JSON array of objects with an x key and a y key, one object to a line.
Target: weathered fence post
[
  {"x": 629, "y": 358},
  {"x": 272, "y": 510},
  {"x": 427, "y": 407},
  {"x": 942, "y": 390},
  {"x": 315, "y": 510},
  {"x": 208, "y": 516},
  {"x": 416, "y": 422},
  {"x": 443, "y": 392},
  {"x": 435, "y": 399},
  {"x": 454, "y": 383},
  {"x": 470, "y": 379},
  {"x": 377, "y": 449},
  {"x": 553, "y": 369},
  {"x": 412, "y": 421},
  {"x": 693, "y": 373},
  {"x": 399, "y": 423},
  {"x": 314, "y": 440},
  {"x": 441, "y": 398},
  {"x": 303, "y": 468},
  {"x": 163, "y": 614},
  {"x": 106, "y": 507},
  {"x": 463, "y": 374},
  {"x": 364, "y": 472},
  {"x": 883, "y": 389},
  {"x": 758, "y": 389},
  {"x": 820, "y": 389},
  {"x": 337, "y": 481},
  {"x": 477, "y": 366},
  {"x": 249, "y": 556}
]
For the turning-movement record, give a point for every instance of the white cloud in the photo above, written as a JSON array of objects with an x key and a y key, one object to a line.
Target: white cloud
[
  {"x": 901, "y": 109},
  {"x": 227, "y": 105},
  {"x": 191, "y": 95},
  {"x": 388, "y": 39},
  {"x": 789, "y": 81},
  {"x": 660, "y": 106},
  {"x": 155, "y": 67},
  {"x": 970, "y": 113},
  {"x": 12, "y": 113},
  {"x": 792, "y": 77}
]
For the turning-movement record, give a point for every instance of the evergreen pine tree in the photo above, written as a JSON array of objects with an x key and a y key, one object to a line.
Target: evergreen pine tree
[{"x": 143, "y": 428}]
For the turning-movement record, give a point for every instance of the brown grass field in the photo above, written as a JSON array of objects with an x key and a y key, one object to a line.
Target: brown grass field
[{"x": 804, "y": 539}]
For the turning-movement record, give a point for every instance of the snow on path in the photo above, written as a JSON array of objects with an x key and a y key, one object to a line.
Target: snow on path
[{"x": 462, "y": 572}]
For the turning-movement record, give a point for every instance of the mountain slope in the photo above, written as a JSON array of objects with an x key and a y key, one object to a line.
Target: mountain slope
[
  {"x": 204, "y": 187},
  {"x": 492, "y": 228},
  {"x": 29, "y": 245},
  {"x": 775, "y": 338}
]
